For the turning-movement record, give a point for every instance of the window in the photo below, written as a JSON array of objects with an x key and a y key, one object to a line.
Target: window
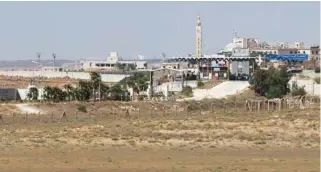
[
  {"x": 303, "y": 52},
  {"x": 295, "y": 52},
  {"x": 312, "y": 52},
  {"x": 316, "y": 52},
  {"x": 274, "y": 52},
  {"x": 291, "y": 52}
]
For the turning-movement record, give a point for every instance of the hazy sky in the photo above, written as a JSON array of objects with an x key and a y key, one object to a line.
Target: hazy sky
[{"x": 93, "y": 29}]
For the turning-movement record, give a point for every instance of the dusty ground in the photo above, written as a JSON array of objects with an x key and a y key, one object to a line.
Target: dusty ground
[{"x": 197, "y": 140}]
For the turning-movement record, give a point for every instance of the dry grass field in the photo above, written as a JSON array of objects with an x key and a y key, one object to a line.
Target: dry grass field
[{"x": 202, "y": 139}]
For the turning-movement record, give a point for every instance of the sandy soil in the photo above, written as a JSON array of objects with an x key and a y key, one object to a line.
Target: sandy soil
[{"x": 203, "y": 140}]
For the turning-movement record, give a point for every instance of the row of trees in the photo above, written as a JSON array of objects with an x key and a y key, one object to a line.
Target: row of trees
[{"x": 94, "y": 88}]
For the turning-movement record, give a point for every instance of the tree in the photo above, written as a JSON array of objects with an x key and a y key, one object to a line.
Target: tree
[
  {"x": 33, "y": 93},
  {"x": 95, "y": 80},
  {"x": 116, "y": 92},
  {"x": 48, "y": 93},
  {"x": 68, "y": 89},
  {"x": 139, "y": 82},
  {"x": 54, "y": 94},
  {"x": 104, "y": 89},
  {"x": 83, "y": 91},
  {"x": 271, "y": 83}
]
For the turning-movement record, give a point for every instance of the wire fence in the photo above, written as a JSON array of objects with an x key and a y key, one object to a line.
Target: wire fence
[{"x": 156, "y": 111}]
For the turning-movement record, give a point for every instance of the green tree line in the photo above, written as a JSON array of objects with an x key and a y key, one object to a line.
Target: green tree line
[{"x": 94, "y": 88}]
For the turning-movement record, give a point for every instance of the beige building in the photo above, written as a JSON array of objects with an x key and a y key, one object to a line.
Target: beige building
[
  {"x": 198, "y": 37},
  {"x": 315, "y": 52},
  {"x": 170, "y": 65}
]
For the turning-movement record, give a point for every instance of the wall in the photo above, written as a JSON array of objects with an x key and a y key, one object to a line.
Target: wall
[
  {"x": 74, "y": 75},
  {"x": 244, "y": 65},
  {"x": 309, "y": 86},
  {"x": 9, "y": 93},
  {"x": 174, "y": 86}
]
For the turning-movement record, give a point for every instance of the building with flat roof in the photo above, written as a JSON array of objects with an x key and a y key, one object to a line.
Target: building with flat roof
[{"x": 111, "y": 63}]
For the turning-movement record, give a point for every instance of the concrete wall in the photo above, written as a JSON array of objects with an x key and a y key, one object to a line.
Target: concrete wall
[
  {"x": 9, "y": 93},
  {"x": 310, "y": 87},
  {"x": 174, "y": 86},
  {"x": 244, "y": 65},
  {"x": 74, "y": 75}
]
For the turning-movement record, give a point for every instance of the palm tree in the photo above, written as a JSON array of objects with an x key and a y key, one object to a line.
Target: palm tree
[{"x": 95, "y": 80}]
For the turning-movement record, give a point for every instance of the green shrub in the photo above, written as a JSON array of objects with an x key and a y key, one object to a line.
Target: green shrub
[
  {"x": 298, "y": 91},
  {"x": 274, "y": 91},
  {"x": 187, "y": 91},
  {"x": 199, "y": 83},
  {"x": 317, "y": 80},
  {"x": 81, "y": 108},
  {"x": 142, "y": 97}
]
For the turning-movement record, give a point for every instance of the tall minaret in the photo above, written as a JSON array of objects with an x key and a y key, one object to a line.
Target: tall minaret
[{"x": 198, "y": 37}]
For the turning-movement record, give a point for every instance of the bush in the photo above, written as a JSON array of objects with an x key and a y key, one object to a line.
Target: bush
[
  {"x": 142, "y": 97},
  {"x": 200, "y": 83},
  {"x": 273, "y": 92},
  {"x": 81, "y": 108},
  {"x": 317, "y": 80},
  {"x": 317, "y": 70},
  {"x": 187, "y": 91},
  {"x": 298, "y": 91}
]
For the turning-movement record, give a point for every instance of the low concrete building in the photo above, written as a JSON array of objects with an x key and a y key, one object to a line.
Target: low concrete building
[{"x": 111, "y": 63}]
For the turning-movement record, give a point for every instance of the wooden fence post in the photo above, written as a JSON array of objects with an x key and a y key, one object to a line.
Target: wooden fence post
[
  {"x": 212, "y": 109},
  {"x": 13, "y": 116},
  {"x": 64, "y": 116},
  {"x": 39, "y": 120},
  {"x": 26, "y": 118},
  {"x": 176, "y": 110},
  {"x": 127, "y": 113},
  {"x": 138, "y": 113},
  {"x": 76, "y": 114},
  {"x": 102, "y": 114},
  {"x": 52, "y": 116},
  {"x": 164, "y": 109},
  {"x": 89, "y": 113},
  {"x": 187, "y": 110},
  {"x": 1, "y": 119}
]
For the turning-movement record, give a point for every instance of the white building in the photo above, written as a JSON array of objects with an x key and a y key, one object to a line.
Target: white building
[{"x": 110, "y": 64}]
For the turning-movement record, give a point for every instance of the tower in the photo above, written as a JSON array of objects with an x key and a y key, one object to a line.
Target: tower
[{"x": 198, "y": 37}]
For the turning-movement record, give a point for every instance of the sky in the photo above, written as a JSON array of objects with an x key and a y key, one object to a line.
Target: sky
[{"x": 92, "y": 30}]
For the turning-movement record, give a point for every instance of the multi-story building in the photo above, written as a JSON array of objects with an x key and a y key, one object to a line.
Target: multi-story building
[{"x": 315, "y": 52}]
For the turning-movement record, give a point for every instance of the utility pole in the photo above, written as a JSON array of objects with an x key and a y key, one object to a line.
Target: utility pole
[
  {"x": 38, "y": 55},
  {"x": 54, "y": 59},
  {"x": 99, "y": 90}
]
